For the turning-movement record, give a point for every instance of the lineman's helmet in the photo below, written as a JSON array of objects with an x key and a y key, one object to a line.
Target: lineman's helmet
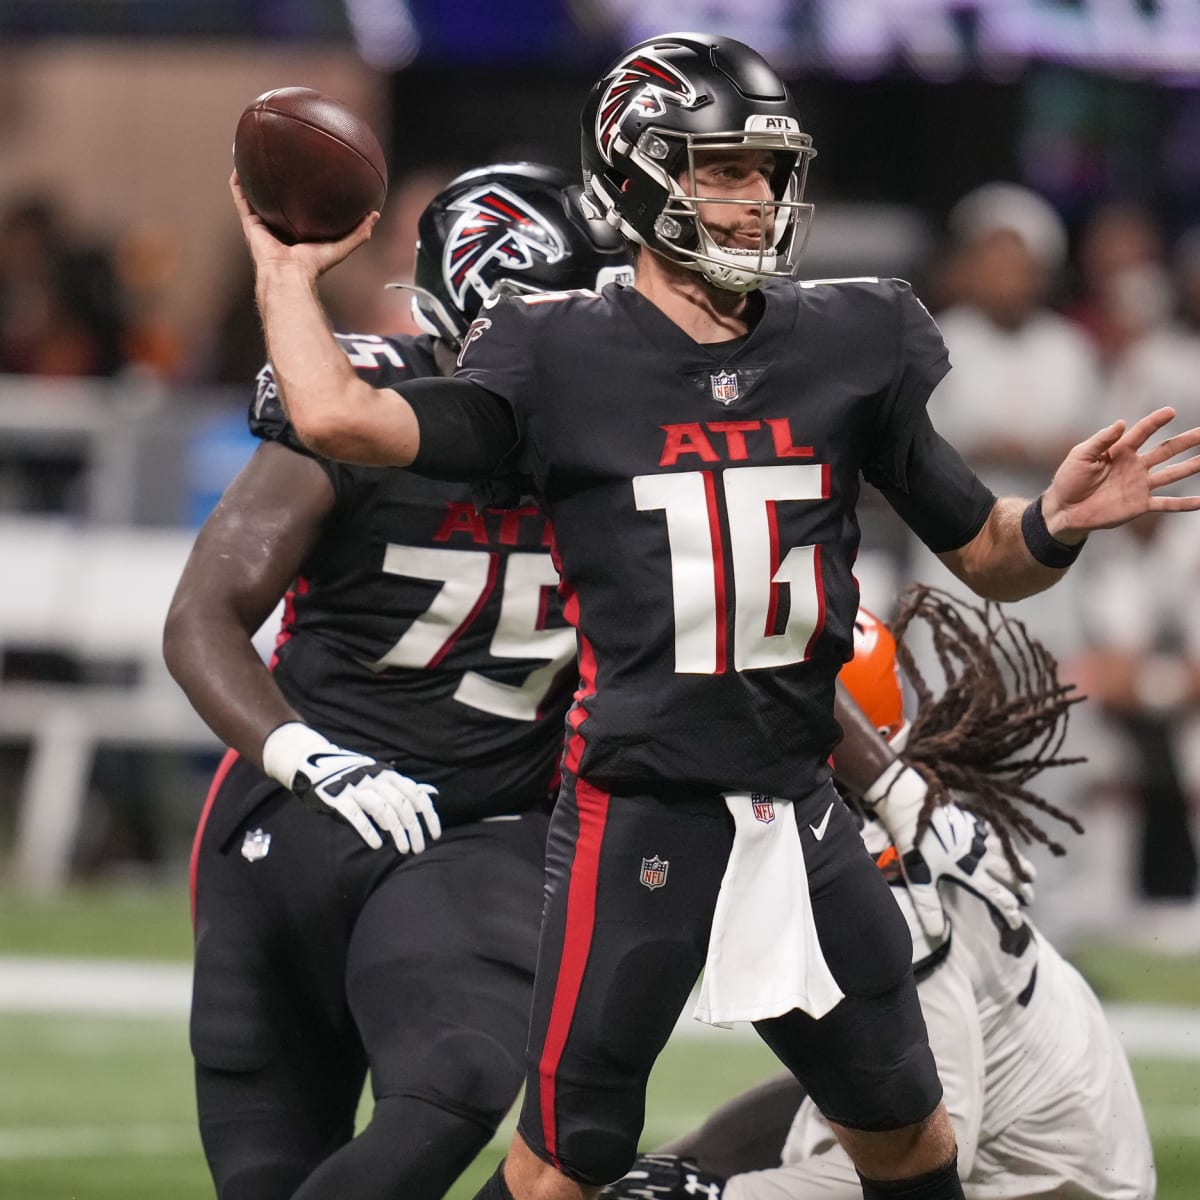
[{"x": 511, "y": 226}]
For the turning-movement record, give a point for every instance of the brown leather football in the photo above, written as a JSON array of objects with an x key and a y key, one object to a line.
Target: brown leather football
[{"x": 310, "y": 167}]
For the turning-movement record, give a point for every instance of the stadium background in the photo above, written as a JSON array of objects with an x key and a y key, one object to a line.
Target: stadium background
[{"x": 116, "y": 438}]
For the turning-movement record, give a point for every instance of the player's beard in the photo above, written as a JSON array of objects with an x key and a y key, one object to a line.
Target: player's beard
[
  {"x": 739, "y": 242},
  {"x": 742, "y": 239},
  {"x": 721, "y": 299},
  {"x": 726, "y": 237}
]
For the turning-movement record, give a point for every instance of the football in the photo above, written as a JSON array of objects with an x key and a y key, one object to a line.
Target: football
[{"x": 309, "y": 166}]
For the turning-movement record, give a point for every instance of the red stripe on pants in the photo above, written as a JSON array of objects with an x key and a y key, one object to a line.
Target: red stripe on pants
[
  {"x": 592, "y": 806},
  {"x": 231, "y": 756}
]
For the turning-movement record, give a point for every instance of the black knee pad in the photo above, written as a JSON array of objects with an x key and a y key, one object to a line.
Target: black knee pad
[
  {"x": 261, "y": 1156},
  {"x": 597, "y": 1152},
  {"x": 596, "y": 1156},
  {"x": 464, "y": 1071},
  {"x": 262, "y": 1137}
]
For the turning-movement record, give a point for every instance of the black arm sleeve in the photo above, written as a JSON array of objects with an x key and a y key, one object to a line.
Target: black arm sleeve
[
  {"x": 943, "y": 501},
  {"x": 921, "y": 362},
  {"x": 467, "y": 432}
]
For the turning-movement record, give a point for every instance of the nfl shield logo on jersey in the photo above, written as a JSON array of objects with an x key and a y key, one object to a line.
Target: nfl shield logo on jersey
[
  {"x": 724, "y": 387},
  {"x": 764, "y": 808},
  {"x": 255, "y": 845},
  {"x": 654, "y": 872}
]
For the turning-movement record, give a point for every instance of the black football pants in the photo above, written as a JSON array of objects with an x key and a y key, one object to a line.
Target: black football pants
[
  {"x": 632, "y": 883},
  {"x": 318, "y": 959}
]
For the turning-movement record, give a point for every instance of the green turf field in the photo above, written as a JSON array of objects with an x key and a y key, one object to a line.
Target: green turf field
[{"x": 101, "y": 1108}]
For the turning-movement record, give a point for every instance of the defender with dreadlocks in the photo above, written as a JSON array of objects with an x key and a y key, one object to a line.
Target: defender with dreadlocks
[{"x": 1037, "y": 1086}]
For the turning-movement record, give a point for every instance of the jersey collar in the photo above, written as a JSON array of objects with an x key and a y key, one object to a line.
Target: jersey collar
[{"x": 650, "y": 323}]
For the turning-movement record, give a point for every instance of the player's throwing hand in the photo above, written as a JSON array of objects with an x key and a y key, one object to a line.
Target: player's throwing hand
[
  {"x": 367, "y": 793},
  {"x": 313, "y": 258}
]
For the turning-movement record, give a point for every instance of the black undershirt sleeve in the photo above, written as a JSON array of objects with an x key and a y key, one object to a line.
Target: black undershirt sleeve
[
  {"x": 467, "y": 432},
  {"x": 943, "y": 501}
]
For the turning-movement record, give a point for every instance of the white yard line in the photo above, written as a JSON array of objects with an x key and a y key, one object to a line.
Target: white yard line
[
  {"x": 1156, "y": 1030},
  {"x": 83, "y": 1141},
  {"x": 146, "y": 990},
  {"x": 95, "y": 987}
]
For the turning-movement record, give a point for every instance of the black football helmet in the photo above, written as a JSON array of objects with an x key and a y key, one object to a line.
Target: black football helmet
[
  {"x": 515, "y": 227},
  {"x": 643, "y": 122}
]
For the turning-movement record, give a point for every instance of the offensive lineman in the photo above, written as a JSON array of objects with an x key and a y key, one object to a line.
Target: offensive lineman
[
  {"x": 1036, "y": 1082},
  {"x": 698, "y": 441},
  {"x": 426, "y": 635}
]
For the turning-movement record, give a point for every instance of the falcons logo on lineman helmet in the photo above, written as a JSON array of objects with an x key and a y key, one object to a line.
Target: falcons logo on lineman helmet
[
  {"x": 495, "y": 226},
  {"x": 642, "y": 80}
]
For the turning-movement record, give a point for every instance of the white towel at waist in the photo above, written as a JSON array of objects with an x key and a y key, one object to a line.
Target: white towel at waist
[{"x": 764, "y": 957}]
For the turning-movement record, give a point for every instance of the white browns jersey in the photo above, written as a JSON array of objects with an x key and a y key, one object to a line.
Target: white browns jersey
[{"x": 1036, "y": 1083}]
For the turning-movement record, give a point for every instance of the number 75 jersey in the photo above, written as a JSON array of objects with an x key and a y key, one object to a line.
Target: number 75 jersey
[
  {"x": 703, "y": 499},
  {"x": 424, "y": 630}
]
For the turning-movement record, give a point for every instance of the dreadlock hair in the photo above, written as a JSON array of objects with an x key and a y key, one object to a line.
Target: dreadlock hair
[{"x": 999, "y": 721}]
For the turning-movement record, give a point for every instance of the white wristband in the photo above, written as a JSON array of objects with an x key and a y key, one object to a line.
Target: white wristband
[
  {"x": 287, "y": 748},
  {"x": 897, "y": 798}
]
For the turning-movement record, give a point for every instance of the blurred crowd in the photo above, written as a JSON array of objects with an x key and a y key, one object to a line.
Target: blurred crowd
[
  {"x": 74, "y": 305},
  {"x": 1048, "y": 346},
  {"x": 1053, "y": 332}
]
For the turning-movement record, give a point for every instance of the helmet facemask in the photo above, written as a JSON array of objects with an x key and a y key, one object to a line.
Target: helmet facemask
[
  {"x": 665, "y": 156},
  {"x": 431, "y": 316}
]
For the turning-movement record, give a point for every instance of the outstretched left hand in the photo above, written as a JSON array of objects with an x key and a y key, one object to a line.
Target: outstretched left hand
[{"x": 1108, "y": 479}]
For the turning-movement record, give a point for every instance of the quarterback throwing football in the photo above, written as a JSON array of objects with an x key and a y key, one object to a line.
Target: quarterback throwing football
[{"x": 699, "y": 441}]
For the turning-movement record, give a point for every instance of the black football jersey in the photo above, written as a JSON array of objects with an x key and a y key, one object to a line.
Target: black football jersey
[
  {"x": 703, "y": 500},
  {"x": 423, "y": 630}
]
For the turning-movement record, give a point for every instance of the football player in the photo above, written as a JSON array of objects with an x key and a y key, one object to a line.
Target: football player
[
  {"x": 422, "y": 638},
  {"x": 1036, "y": 1082},
  {"x": 699, "y": 441}
]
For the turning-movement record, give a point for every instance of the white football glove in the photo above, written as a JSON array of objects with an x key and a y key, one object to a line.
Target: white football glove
[
  {"x": 367, "y": 793},
  {"x": 958, "y": 847}
]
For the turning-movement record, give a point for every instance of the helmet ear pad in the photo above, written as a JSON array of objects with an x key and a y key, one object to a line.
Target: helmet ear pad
[{"x": 643, "y": 198}]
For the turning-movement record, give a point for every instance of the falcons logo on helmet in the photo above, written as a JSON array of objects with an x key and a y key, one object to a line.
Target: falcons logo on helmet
[
  {"x": 641, "y": 81},
  {"x": 496, "y": 227}
]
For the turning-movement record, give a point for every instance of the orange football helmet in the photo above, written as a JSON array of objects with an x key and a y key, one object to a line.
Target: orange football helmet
[{"x": 872, "y": 676}]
